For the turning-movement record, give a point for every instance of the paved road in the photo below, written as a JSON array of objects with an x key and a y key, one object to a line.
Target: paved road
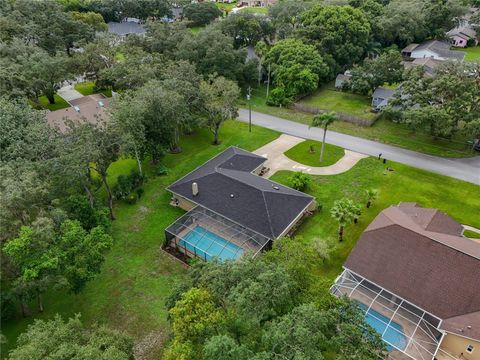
[{"x": 463, "y": 169}]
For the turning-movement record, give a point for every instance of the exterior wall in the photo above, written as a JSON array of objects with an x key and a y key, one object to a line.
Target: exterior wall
[
  {"x": 311, "y": 207},
  {"x": 458, "y": 41},
  {"x": 456, "y": 345},
  {"x": 183, "y": 203}
]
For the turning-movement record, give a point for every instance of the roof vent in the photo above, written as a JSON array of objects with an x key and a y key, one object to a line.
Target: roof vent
[
  {"x": 276, "y": 187},
  {"x": 231, "y": 195},
  {"x": 194, "y": 189},
  {"x": 101, "y": 104},
  {"x": 77, "y": 109}
]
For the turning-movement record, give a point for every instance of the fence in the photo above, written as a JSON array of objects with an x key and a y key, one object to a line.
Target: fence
[{"x": 342, "y": 116}]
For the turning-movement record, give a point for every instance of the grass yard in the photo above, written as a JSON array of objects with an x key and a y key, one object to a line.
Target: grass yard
[
  {"x": 383, "y": 130},
  {"x": 196, "y": 29},
  {"x": 302, "y": 154},
  {"x": 327, "y": 98},
  {"x": 60, "y": 103},
  {"x": 472, "y": 53},
  {"x": 471, "y": 234},
  {"x": 255, "y": 10},
  {"x": 457, "y": 198},
  {"x": 226, "y": 6},
  {"x": 88, "y": 88},
  {"x": 137, "y": 276}
]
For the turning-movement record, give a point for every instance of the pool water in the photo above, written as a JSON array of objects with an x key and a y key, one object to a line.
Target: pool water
[
  {"x": 393, "y": 336},
  {"x": 208, "y": 245}
]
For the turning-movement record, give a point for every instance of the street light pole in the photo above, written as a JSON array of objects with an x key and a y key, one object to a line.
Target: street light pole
[{"x": 249, "y": 96}]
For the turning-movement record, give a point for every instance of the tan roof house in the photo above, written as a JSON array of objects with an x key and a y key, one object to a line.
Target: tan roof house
[
  {"x": 88, "y": 108},
  {"x": 418, "y": 280}
]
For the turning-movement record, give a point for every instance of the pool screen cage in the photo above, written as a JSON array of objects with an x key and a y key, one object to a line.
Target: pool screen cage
[
  {"x": 245, "y": 239},
  {"x": 417, "y": 330}
]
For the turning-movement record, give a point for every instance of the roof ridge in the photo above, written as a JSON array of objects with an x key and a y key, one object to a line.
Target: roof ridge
[{"x": 268, "y": 214}]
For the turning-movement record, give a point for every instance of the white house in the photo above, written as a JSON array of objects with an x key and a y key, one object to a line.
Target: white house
[{"x": 438, "y": 50}]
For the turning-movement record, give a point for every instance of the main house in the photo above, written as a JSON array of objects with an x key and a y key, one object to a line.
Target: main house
[
  {"x": 231, "y": 209},
  {"x": 418, "y": 280}
]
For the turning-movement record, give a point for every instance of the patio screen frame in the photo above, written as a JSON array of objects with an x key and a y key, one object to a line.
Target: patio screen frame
[
  {"x": 426, "y": 325},
  {"x": 246, "y": 239}
]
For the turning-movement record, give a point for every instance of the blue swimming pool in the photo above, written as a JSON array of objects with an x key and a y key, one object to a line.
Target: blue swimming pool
[
  {"x": 393, "y": 335},
  {"x": 208, "y": 245}
]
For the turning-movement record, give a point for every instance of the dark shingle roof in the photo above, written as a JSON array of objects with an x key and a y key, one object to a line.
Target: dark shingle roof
[
  {"x": 257, "y": 203},
  {"x": 419, "y": 255},
  {"x": 125, "y": 28}
]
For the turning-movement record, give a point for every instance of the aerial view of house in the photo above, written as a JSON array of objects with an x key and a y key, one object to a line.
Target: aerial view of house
[
  {"x": 231, "y": 209},
  {"x": 240, "y": 180},
  {"x": 417, "y": 279}
]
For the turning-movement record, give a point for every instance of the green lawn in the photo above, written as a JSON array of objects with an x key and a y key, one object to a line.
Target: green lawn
[
  {"x": 88, "y": 88},
  {"x": 255, "y": 10},
  {"x": 226, "y": 6},
  {"x": 472, "y": 53},
  {"x": 471, "y": 234},
  {"x": 60, "y": 103},
  {"x": 383, "y": 130},
  {"x": 137, "y": 276},
  {"x": 327, "y": 98},
  {"x": 457, "y": 198},
  {"x": 302, "y": 154},
  {"x": 196, "y": 29},
  {"x": 119, "y": 56}
]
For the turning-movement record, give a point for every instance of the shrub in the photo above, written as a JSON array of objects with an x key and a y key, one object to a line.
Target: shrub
[
  {"x": 299, "y": 181},
  {"x": 161, "y": 170},
  {"x": 126, "y": 184},
  {"x": 78, "y": 208},
  {"x": 131, "y": 199},
  {"x": 140, "y": 192},
  {"x": 278, "y": 97}
]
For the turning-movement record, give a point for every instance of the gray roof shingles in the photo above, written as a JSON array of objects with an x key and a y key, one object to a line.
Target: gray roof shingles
[{"x": 257, "y": 203}]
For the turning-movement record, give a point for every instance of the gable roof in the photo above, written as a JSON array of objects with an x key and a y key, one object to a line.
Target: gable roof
[
  {"x": 383, "y": 93},
  {"x": 227, "y": 187},
  {"x": 465, "y": 32},
  {"x": 441, "y": 48},
  {"x": 420, "y": 255}
]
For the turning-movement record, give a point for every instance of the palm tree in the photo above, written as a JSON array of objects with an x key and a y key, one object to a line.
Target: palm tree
[
  {"x": 371, "y": 196},
  {"x": 323, "y": 120},
  {"x": 344, "y": 212}
]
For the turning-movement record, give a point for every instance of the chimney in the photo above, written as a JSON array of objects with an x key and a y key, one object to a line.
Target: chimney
[{"x": 194, "y": 189}]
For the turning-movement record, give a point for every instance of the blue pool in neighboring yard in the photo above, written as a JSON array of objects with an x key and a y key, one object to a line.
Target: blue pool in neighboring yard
[
  {"x": 394, "y": 334},
  {"x": 208, "y": 245}
]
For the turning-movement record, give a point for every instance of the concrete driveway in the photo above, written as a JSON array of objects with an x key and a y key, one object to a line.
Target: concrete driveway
[
  {"x": 69, "y": 93},
  {"x": 462, "y": 169},
  {"x": 274, "y": 152}
]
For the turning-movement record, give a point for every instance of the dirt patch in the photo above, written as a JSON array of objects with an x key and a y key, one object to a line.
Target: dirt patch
[{"x": 151, "y": 346}]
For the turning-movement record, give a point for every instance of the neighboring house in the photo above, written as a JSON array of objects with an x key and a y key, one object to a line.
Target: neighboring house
[
  {"x": 460, "y": 36},
  {"x": 342, "y": 78},
  {"x": 127, "y": 27},
  {"x": 90, "y": 109},
  {"x": 231, "y": 209},
  {"x": 418, "y": 281},
  {"x": 381, "y": 96},
  {"x": 428, "y": 64},
  {"x": 438, "y": 50}
]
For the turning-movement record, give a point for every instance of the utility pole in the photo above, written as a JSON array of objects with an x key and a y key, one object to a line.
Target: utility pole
[
  {"x": 249, "y": 96},
  {"x": 268, "y": 80}
]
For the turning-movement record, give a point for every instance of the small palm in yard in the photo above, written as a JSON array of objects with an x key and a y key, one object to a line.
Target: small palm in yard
[
  {"x": 371, "y": 195},
  {"x": 344, "y": 211},
  {"x": 323, "y": 120}
]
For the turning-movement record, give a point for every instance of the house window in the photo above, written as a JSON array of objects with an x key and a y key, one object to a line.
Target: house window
[{"x": 470, "y": 349}]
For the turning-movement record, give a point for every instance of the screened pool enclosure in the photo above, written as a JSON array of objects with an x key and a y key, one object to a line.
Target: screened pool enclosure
[
  {"x": 204, "y": 234},
  {"x": 405, "y": 328}
]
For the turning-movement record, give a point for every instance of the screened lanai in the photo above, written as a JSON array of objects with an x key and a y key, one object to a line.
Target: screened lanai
[
  {"x": 405, "y": 328},
  {"x": 204, "y": 234}
]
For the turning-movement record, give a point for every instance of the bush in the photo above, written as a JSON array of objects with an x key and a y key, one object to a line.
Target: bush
[
  {"x": 161, "y": 170},
  {"x": 201, "y": 14},
  {"x": 7, "y": 305},
  {"x": 278, "y": 97},
  {"x": 299, "y": 181},
  {"x": 131, "y": 199},
  {"x": 126, "y": 184},
  {"x": 140, "y": 192}
]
